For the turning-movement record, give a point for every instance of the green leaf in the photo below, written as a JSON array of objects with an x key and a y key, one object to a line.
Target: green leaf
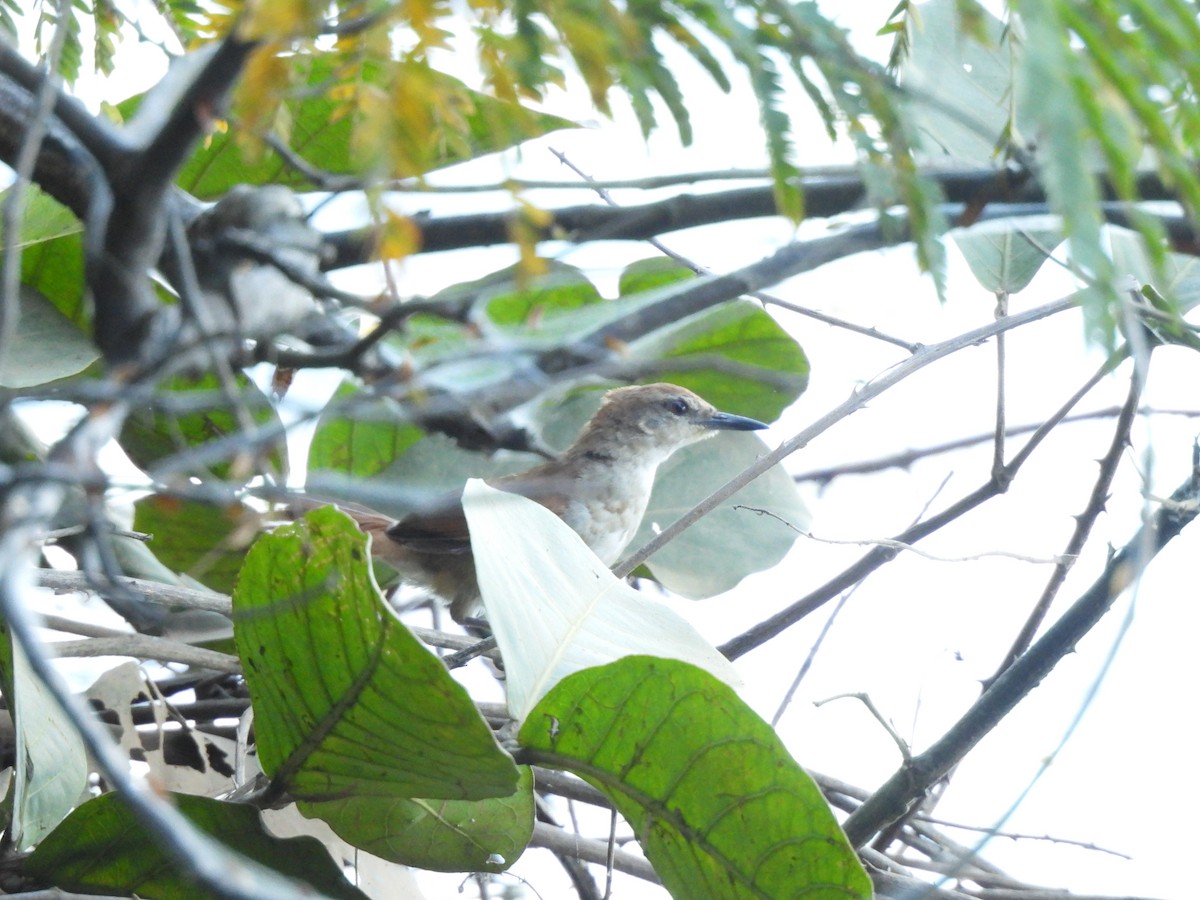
[
  {"x": 191, "y": 411},
  {"x": 961, "y": 85},
  {"x": 769, "y": 369},
  {"x": 719, "y": 806},
  {"x": 347, "y": 702},
  {"x": 1054, "y": 92},
  {"x": 651, "y": 274},
  {"x": 750, "y": 532},
  {"x": 47, "y": 345},
  {"x": 102, "y": 848},
  {"x": 52, "y": 254},
  {"x": 561, "y": 291},
  {"x": 51, "y": 768},
  {"x": 321, "y": 127},
  {"x": 1177, "y": 277},
  {"x": 360, "y": 435},
  {"x": 1003, "y": 258},
  {"x": 440, "y": 835},
  {"x": 201, "y": 540}
]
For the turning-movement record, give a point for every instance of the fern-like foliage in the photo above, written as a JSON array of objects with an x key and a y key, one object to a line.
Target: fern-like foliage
[{"x": 1112, "y": 87}]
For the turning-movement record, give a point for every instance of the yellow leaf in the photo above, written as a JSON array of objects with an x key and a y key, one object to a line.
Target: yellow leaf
[
  {"x": 259, "y": 95},
  {"x": 279, "y": 18},
  {"x": 399, "y": 237}
]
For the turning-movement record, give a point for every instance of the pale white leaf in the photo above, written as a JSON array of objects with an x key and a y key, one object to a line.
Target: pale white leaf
[
  {"x": 51, "y": 767},
  {"x": 554, "y": 606}
]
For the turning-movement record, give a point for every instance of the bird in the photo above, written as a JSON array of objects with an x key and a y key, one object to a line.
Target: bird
[{"x": 600, "y": 486}]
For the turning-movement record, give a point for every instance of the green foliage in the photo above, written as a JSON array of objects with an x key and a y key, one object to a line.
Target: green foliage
[
  {"x": 347, "y": 702},
  {"x": 441, "y": 835},
  {"x": 7, "y": 23},
  {"x": 102, "y": 848},
  {"x": 657, "y": 737},
  {"x": 47, "y": 346},
  {"x": 753, "y": 533},
  {"x": 195, "y": 413},
  {"x": 343, "y": 117},
  {"x": 52, "y": 254},
  {"x": 355, "y": 719},
  {"x": 202, "y": 540},
  {"x": 360, "y": 438},
  {"x": 1062, "y": 89},
  {"x": 103, "y": 21},
  {"x": 1003, "y": 260}
]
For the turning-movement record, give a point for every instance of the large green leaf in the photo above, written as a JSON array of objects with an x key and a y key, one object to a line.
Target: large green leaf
[
  {"x": 719, "y": 806},
  {"x": 51, "y": 765},
  {"x": 347, "y": 703},
  {"x": 750, "y": 532},
  {"x": 47, "y": 345},
  {"x": 102, "y": 848},
  {"x": 191, "y": 411},
  {"x": 961, "y": 85},
  {"x": 52, "y": 254},
  {"x": 360, "y": 435},
  {"x": 772, "y": 370},
  {"x": 441, "y": 835},
  {"x": 321, "y": 129},
  {"x": 202, "y": 540},
  {"x": 1004, "y": 256}
]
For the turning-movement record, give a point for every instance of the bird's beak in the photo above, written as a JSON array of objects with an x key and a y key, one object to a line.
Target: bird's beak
[{"x": 730, "y": 422}]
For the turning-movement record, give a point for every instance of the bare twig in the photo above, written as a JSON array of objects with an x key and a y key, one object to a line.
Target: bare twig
[
  {"x": 891, "y": 801},
  {"x": 865, "y": 700},
  {"x": 1001, "y": 348},
  {"x": 768, "y": 628},
  {"x": 868, "y": 392},
  {"x": 591, "y": 850},
  {"x": 905, "y": 458},
  {"x": 14, "y": 204},
  {"x": 151, "y": 591}
]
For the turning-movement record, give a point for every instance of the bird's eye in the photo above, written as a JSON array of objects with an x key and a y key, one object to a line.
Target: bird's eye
[{"x": 678, "y": 405}]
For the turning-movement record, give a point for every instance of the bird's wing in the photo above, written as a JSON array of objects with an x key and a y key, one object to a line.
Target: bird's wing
[
  {"x": 442, "y": 527},
  {"x": 439, "y": 529}
]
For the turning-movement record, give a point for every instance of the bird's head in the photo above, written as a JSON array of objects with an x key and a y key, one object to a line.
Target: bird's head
[{"x": 655, "y": 420}]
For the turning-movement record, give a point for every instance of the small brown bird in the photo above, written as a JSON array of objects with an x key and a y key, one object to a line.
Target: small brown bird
[{"x": 600, "y": 487}]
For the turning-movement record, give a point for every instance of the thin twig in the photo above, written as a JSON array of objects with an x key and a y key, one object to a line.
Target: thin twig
[
  {"x": 868, "y": 392},
  {"x": 760, "y": 296},
  {"x": 865, "y": 700},
  {"x": 905, "y": 458},
  {"x": 768, "y": 628},
  {"x": 591, "y": 850},
  {"x": 1001, "y": 347},
  {"x": 142, "y": 646},
  {"x": 891, "y": 801},
  {"x": 14, "y": 204}
]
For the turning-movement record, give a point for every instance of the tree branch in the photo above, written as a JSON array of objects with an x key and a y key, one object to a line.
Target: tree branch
[
  {"x": 909, "y": 783},
  {"x": 997, "y": 484},
  {"x": 871, "y": 390}
]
